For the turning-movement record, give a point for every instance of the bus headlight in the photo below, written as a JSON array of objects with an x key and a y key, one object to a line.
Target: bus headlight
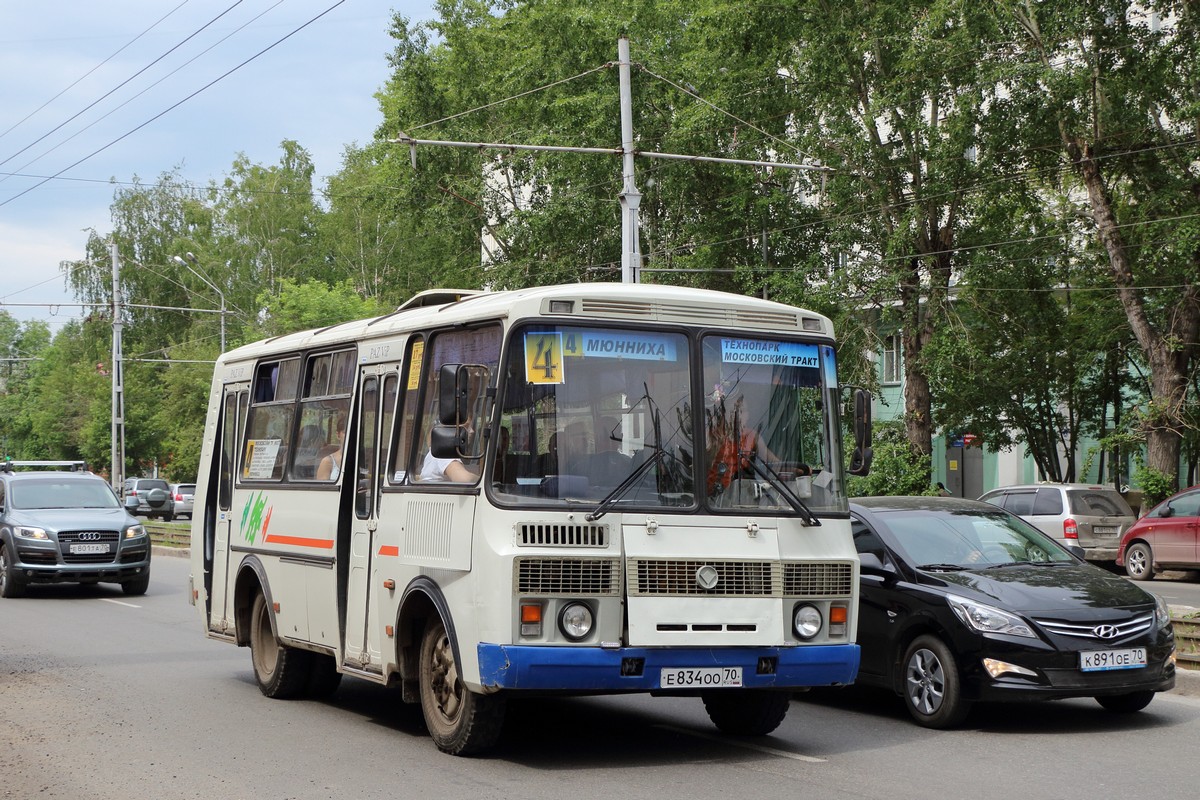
[
  {"x": 806, "y": 621},
  {"x": 575, "y": 621}
]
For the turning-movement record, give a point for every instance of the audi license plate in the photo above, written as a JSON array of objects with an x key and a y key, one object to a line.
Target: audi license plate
[
  {"x": 700, "y": 677},
  {"x": 1099, "y": 660},
  {"x": 88, "y": 549}
]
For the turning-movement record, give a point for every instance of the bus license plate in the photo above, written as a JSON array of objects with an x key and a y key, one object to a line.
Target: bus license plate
[
  {"x": 700, "y": 677},
  {"x": 86, "y": 549},
  {"x": 1099, "y": 660}
]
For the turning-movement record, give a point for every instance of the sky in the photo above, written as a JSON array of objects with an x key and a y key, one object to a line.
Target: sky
[{"x": 84, "y": 84}]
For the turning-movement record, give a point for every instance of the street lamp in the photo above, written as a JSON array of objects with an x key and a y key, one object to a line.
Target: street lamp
[{"x": 192, "y": 258}]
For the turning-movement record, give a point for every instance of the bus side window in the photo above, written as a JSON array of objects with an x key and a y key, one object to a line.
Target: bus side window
[
  {"x": 408, "y": 396},
  {"x": 479, "y": 351},
  {"x": 269, "y": 431}
]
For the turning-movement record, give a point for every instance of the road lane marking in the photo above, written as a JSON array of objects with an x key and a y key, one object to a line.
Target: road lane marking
[
  {"x": 725, "y": 740},
  {"x": 118, "y": 602}
]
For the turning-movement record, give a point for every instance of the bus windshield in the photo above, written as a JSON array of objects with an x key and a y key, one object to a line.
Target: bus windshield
[
  {"x": 770, "y": 423},
  {"x": 608, "y": 415},
  {"x": 584, "y": 408}
]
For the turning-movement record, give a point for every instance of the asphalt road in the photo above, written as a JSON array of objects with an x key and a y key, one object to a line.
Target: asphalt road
[{"x": 107, "y": 697}]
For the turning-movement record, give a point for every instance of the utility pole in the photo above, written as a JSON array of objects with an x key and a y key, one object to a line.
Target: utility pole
[
  {"x": 631, "y": 198},
  {"x": 117, "y": 472},
  {"x": 631, "y": 254}
]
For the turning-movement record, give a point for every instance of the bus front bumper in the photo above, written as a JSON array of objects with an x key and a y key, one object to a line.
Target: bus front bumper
[{"x": 636, "y": 669}]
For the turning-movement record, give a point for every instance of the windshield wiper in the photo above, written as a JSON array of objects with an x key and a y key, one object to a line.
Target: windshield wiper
[
  {"x": 943, "y": 567},
  {"x": 624, "y": 486},
  {"x": 776, "y": 480}
]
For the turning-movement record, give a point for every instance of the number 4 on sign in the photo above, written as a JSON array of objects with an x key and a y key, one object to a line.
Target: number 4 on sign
[{"x": 544, "y": 358}]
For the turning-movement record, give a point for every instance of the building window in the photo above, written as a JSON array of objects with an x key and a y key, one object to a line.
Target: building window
[{"x": 891, "y": 358}]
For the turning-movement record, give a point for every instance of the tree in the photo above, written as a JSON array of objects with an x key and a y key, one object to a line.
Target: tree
[
  {"x": 1115, "y": 90},
  {"x": 301, "y": 306}
]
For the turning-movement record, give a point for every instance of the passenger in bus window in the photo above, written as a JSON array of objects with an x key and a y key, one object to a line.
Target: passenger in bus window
[
  {"x": 331, "y": 465},
  {"x": 440, "y": 470}
]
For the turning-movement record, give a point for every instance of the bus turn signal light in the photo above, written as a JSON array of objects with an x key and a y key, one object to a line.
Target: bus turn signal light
[{"x": 531, "y": 619}]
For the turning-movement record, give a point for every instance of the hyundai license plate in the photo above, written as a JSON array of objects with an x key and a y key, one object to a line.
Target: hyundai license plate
[
  {"x": 88, "y": 549},
  {"x": 700, "y": 677},
  {"x": 1100, "y": 660}
]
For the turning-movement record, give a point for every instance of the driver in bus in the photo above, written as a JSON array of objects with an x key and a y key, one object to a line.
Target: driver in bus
[{"x": 732, "y": 443}]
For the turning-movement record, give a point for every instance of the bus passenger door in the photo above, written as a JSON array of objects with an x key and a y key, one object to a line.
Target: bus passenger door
[
  {"x": 233, "y": 418},
  {"x": 361, "y": 645}
]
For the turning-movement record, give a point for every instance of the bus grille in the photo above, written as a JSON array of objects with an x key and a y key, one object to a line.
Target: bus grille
[
  {"x": 554, "y": 535},
  {"x": 567, "y": 576},
  {"x": 666, "y": 311},
  {"x": 822, "y": 579},
  {"x": 742, "y": 578},
  {"x": 734, "y": 578}
]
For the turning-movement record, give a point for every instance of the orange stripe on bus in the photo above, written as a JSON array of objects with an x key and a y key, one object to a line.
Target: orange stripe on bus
[
  {"x": 300, "y": 541},
  {"x": 389, "y": 550}
]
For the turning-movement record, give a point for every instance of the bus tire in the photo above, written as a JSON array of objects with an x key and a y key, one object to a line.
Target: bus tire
[
  {"x": 282, "y": 672},
  {"x": 746, "y": 712},
  {"x": 460, "y": 722},
  {"x": 323, "y": 677}
]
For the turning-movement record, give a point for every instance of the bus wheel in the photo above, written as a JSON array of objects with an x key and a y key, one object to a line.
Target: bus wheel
[
  {"x": 282, "y": 672},
  {"x": 747, "y": 712},
  {"x": 461, "y": 722},
  {"x": 323, "y": 677}
]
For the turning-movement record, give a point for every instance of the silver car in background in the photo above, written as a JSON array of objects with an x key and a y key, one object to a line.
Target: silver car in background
[
  {"x": 184, "y": 495},
  {"x": 1087, "y": 515}
]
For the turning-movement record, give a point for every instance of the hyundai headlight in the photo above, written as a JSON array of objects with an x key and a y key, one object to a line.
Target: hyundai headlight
[
  {"x": 986, "y": 619},
  {"x": 30, "y": 532},
  {"x": 1162, "y": 614}
]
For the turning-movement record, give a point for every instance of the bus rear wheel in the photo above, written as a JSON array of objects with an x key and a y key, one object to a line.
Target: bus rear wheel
[
  {"x": 461, "y": 722},
  {"x": 282, "y": 672},
  {"x": 748, "y": 712}
]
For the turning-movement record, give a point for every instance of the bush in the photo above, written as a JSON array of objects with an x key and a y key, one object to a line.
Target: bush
[
  {"x": 896, "y": 468},
  {"x": 1156, "y": 486}
]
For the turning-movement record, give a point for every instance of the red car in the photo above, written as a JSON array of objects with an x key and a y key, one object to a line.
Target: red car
[{"x": 1168, "y": 537}]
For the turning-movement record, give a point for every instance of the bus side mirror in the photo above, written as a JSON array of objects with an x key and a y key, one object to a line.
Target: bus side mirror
[
  {"x": 860, "y": 459},
  {"x": 448, "y": 441},
  {"x": 452, "y": 394}
]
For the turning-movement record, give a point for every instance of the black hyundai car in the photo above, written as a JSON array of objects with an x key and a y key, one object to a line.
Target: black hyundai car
[{"x": 963, "y": 602}]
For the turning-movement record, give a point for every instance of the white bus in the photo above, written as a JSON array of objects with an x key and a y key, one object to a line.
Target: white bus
[{"x": 592, "y": 488}]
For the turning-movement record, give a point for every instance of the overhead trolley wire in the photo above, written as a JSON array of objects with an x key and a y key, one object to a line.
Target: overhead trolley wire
[
  {"x": 114, "y": 54},
  {"x": 123, "y": 83},
  {"x": 173, "y": 106}
]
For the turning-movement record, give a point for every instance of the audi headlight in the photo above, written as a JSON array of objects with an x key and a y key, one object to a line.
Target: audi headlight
[
  {"x": 806, "y": 621},
  {"x": 30, "y": 532},
  {"x": 1162, "y": 614},
  {"x": 134, "y": 531},
  {"x": 575, "y": 621},
  {"x": 986, "y": 619}
]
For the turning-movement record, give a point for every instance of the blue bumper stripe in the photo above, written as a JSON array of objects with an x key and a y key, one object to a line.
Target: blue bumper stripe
[{"x": 506, "y": 666}]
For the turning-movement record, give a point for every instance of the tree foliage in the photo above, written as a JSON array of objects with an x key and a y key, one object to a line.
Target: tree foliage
[{"x": 1012, "y": 188}]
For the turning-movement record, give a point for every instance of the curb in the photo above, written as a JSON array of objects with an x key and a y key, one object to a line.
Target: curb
[
  {"x": 167, "y": 550},
  {"x": 1187, "y": 682}
]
